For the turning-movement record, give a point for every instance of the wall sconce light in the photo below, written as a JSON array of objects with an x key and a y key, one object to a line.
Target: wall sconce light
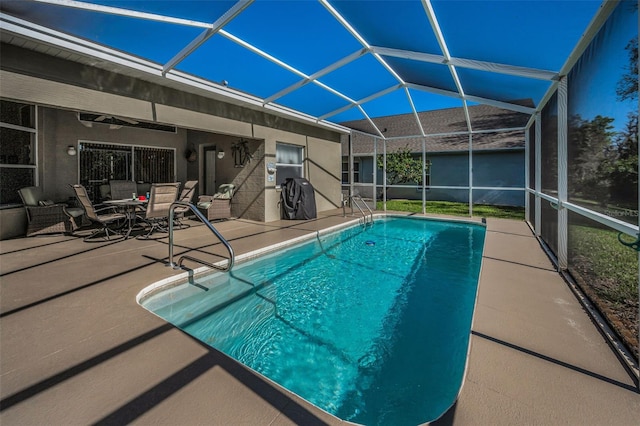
[
  {"x": 220, "y": 155},
  {"x": 71, "y": 150}
]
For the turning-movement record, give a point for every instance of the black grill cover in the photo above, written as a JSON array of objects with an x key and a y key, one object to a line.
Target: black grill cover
[{"x": 297, "y": 199}]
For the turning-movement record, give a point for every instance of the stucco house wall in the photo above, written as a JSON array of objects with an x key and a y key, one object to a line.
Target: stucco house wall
[{"x": 61, "y": 88}]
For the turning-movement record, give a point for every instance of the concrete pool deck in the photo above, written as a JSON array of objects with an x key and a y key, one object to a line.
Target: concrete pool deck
[{"x": 75, "y": 348}]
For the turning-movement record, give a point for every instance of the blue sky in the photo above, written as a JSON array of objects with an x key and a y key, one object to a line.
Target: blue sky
[
  {"x": 303, "y": 34},
  {"x": 594, "y": 79}
]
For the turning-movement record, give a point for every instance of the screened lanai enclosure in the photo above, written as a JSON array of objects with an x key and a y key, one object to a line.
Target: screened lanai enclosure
[{"x": 519, "y": 103}]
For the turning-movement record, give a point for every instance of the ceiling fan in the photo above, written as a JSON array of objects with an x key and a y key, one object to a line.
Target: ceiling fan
[{"x": 113, "y": 118}]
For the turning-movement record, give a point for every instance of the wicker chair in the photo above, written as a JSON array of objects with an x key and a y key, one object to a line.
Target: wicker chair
[
  {"x": 186, "y": 196},
  {"x": 217, "y": 206},
  {"x": 162, "y": 195},
  {"x": 108, "y": 223},
  {"x": 45, "y": 216}
]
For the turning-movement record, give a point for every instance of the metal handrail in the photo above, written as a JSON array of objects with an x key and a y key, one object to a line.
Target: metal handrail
[
  {"x": 204, "y": 220},
  {"x": 353, "y": 199}
]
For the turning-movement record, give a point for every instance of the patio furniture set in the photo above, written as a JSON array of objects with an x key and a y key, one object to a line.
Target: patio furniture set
[{"x": 121, "y": 211}]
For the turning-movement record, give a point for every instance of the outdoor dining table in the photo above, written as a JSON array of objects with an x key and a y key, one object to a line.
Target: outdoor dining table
[{"x": 130, "y": 207}]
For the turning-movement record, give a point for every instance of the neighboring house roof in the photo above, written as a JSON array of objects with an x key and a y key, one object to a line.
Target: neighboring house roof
[{"x": 439, "y": 122}]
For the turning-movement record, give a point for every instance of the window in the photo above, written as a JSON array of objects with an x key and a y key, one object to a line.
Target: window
[
  {"x": 18, "y": 156},
  {"x": 101, "y": 163},
  {"x": 289, "y": 162},
  {"x": 345, "y": 171}
]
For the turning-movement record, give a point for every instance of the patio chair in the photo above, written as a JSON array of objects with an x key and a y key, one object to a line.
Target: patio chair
[
  {"x": 108, "y": 223},
  {"x": 162, "y": 195},
  {"x": 186, "y": 196},
  {"x": 44, "y": 216},
  {"x": 123, "y": 189},
  {"x": 217, "y": 206}
]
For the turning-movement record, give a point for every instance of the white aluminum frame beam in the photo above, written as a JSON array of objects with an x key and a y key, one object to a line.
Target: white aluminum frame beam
[
  {"x": 606, "y": 8},
  {"x": 538, "y": 174},
  {"x": 467, "y": 63},
  {"x": 125, "y": 12},
  {"x": 367, "y": 46},
  {"x": 413, "y": 109},
  {"x": 435, "y": 26},
  {"x": 284, "y": 65},
  {"x": 216, "y": 28},
  {"x": 563, "y": 214},
  {"x": 527, "y": 173},
  {"x": 344, "y": 61},
  {"x": 223, "y": 20},
  {"x": 361, "y": 101}
]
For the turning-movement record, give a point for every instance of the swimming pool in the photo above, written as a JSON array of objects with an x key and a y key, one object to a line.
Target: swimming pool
[{"x": 371, "y": 325}]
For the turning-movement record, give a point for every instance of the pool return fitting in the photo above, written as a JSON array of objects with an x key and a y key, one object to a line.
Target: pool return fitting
[{"x": 208, "y": 224}]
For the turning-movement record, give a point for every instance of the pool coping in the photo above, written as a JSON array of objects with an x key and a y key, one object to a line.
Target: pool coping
[{"x": 190, "y": 275}]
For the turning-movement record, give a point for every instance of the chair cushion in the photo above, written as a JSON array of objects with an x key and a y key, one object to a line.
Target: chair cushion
[
  {"x": 75, "y": 211},
  {"x": 45, "y": 203},
  {"x": 225, "y": 191},
  {"x": 31, "y": 195}
]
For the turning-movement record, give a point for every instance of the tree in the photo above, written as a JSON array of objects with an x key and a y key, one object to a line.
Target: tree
[
  {"x": 402, "y": 167},
  {"x": 627, "y": 87},
  {"x": 588, "y": 148},
  {"x": 621, "y": 165}
]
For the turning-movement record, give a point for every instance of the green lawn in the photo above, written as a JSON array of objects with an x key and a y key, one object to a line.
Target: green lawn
[
  {"x": 607, "y": 271},
  {"x": 608, "y": 263},
  {"x": 454, "y": 209}
]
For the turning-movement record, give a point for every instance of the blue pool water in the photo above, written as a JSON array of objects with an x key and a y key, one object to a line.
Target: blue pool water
[{"x": 370, "y": 325}]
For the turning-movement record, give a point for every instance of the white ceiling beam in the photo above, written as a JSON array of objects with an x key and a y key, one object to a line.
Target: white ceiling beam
[
  {"x": 413, "y": 109},
  {"x": 362, "y": 101},
  {"x": 606, "y": 8},
  {"x": 345, "y": 24},
  {"x": 262, "y": 54},
  {"x": 344, "y": 61},
  {"x": 379, "y": 94},
  {"x": 371, "y": 121},
  {"x": 223, "y": 20},
  {"x": 467, "y": 63},
  {"x": 247, "y": 99},
  {"x": 505, "y": 69},
  {"x": 467, "y": 116},
  {"x": 125, "y": 12},
  {"x": 361, "y": 39},
  {"x": 337, "y": 111},
  {"x": 501, "y": 130},
  {"x": 409, "y": 54},
  {"x": 334, "y": 91},
  {"x": 504, "y": 105},
  {"x": 435, "y": 26},
  {"x": 434, "y": 90},
  {"x": 282, "y": 64}
]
